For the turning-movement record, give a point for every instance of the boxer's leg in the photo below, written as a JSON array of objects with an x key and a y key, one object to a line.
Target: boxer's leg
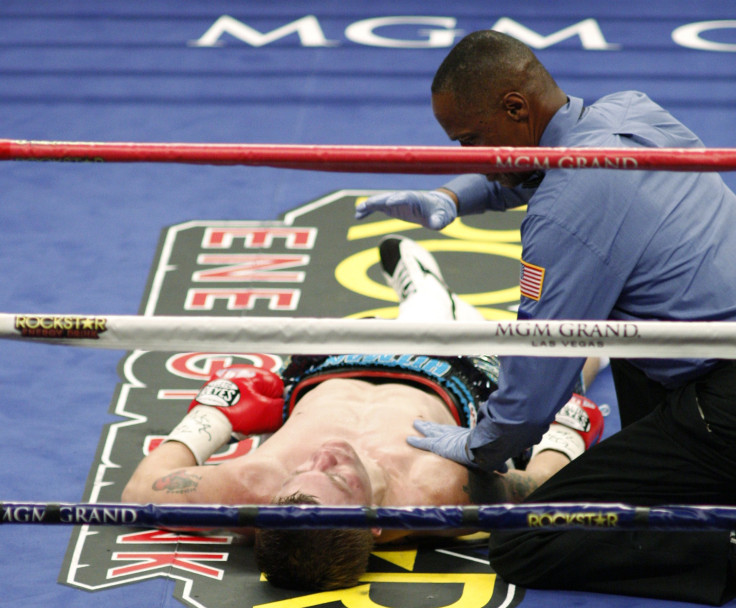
[{"x": 415, "y": 276}]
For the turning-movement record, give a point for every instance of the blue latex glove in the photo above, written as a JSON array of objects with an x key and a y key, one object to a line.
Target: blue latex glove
[
  {"x": 446, "y": 440},
  {"x": 431, "y": 209}
]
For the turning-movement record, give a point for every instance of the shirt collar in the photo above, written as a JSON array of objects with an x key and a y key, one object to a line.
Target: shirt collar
[{"x": 562, "y": 122}]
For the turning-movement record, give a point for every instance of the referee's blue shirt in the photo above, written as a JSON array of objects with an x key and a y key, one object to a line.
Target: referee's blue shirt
[{"x": 621, "y": 245}]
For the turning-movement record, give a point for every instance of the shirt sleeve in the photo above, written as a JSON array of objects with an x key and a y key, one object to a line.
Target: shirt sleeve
[
  {"x": 475, "y": 194},
  {"x": 576, "y": 284}
]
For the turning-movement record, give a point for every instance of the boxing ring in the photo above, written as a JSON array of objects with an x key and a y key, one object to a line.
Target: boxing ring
[
  {"x": 286, "y": 335},
  {"x": 84, "y": 237}
]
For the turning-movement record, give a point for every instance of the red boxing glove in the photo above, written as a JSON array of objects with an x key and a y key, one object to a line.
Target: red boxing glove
[
  {"x": 250, "y": 397},
  {"x": 583, "y": 416},
  {"x": 577, "y": 426},
  {"x": 238, "y": 400}
]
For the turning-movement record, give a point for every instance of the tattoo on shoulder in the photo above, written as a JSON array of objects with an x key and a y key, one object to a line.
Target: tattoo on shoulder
[{"x": 178, "y": 482}]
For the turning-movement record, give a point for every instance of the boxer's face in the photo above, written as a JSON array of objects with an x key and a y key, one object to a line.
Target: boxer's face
[{"x": 333, "y": 474}]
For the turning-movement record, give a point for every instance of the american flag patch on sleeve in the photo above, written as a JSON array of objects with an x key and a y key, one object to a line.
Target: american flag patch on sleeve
[{"x": 531, "y": 280}]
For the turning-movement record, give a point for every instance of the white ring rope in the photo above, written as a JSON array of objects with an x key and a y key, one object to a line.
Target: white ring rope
[{"x": 285, "y": 335}]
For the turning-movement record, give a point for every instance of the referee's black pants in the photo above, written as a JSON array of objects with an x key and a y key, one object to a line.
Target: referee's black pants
[{"x": 682, "y": 450}]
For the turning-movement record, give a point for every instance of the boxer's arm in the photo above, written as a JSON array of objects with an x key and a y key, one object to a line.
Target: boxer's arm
[
  {"x": 577, "y": 426},
  {"x": 240, "y": 399},
  {"x": 514, "y": 486},
  {"x": 170, "y": 474}
]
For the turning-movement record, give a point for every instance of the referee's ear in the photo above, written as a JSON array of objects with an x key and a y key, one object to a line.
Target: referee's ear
[{"x": 516, "y": 106}]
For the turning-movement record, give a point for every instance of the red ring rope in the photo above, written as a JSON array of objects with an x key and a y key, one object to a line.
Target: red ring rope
[{"x": 377, "y": 159}]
